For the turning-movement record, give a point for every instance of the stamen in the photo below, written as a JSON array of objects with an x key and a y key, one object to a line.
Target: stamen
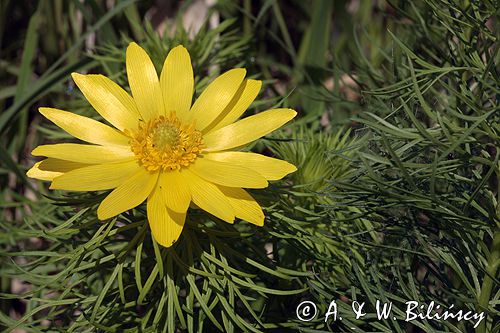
[{"x": 166, "y": 144}]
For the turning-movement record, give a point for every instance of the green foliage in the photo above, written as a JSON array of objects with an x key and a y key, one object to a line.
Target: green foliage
[
  {"x": 396, "y": 197},
  {"x": 113, "y": 276},
  {"x": 428, "y": 177}
]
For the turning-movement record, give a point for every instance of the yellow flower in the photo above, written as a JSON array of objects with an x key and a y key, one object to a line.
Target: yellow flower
[{"x": 164, "y": 149}]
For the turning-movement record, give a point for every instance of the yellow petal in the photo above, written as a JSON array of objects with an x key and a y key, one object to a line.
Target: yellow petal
[
  {"x": 128, "y": 195},
  {"x": 37, "y": 173},
  {"x": 143, "y": 82},
  {"x": 250, "y": 91},
  {"x": 112, "y": 102},
  {"x": 50, "y": 168},
  {"x": 177, "y": 82},
  {"x": 175, "y": 191},
  {"x": 214, "y": 99},
  {"x": 88, "y": 154},
  {"x": 96, "y": 177},
  {"x": 166, "y": 225},
  {"x": 247, "y": 129},
  {"x": 227, "y": 174},
  {"x": 84, "y": 128},
  {"x": 208, "y": 197},
  {"x": 245, "y": 207},
  {"x": 270, "y": 168}
]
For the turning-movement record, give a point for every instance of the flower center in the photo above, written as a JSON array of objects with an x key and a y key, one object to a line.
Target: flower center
[
  {"x": 165, "y": 143},
  {"x": 165, "y": 136}
]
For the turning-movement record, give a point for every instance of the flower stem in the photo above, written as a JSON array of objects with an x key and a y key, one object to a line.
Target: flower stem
[{"x": 488, "y": 282}]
